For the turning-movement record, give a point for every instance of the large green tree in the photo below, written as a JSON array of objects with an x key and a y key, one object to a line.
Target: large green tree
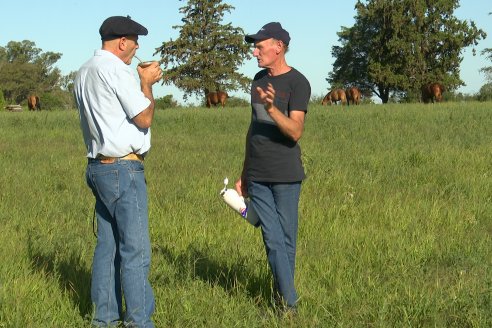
[
  {"x": 25, "y": 69},
  {"x": 207, "y": 53},
  {"x": 395, "y": 46}
]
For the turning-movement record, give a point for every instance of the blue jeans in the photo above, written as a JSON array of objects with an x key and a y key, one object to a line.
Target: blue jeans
[
  {"x": 122, "y": 256},
  {"x": 277, "y": 207}
]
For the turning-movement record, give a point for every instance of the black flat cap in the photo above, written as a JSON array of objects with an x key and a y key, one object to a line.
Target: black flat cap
[
  {"x": 270, "y": 30},
  {"x": 118, "y": 26}
]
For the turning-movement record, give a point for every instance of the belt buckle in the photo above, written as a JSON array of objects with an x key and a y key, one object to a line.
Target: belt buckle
[{"x": 107, "y": 160}]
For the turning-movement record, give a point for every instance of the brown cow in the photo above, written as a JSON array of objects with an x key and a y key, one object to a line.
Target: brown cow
[
  {"x": 353, "y": 95},
  {"x": 334, "y": 96},
  {"x": 33, "y": 103},
  {"x": 432, "y": 92},
  {"x": 215, "y": 98}
]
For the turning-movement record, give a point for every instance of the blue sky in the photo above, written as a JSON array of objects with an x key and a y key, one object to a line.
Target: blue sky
[{"x": 71, "y": 27}]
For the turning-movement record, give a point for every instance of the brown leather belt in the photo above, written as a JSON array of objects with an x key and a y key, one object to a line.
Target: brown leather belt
[{"x": 111, "y": 160}]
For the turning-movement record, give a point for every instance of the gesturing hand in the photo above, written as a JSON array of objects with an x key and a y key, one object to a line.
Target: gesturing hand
[{"x": 267, "y": 96}]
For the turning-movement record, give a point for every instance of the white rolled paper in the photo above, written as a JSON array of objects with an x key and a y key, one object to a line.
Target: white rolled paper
[
  {"x": 236, "y": 202},
  {"x": 239, "y": 205}
]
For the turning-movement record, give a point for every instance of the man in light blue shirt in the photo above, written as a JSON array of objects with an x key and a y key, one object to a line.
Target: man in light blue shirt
[{"x": 116, "y": 112}]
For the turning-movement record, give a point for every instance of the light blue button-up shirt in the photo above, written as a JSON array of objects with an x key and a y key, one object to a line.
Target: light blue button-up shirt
[{"x": 108, "y": 96}]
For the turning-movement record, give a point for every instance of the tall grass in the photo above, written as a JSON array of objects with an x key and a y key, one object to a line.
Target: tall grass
[{"x": 395, "y": 220}]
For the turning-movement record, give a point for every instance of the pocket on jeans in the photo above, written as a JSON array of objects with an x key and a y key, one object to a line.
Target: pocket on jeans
[
  {"x": 137, "y": 167},
  {"x": 106, "y": 184}
]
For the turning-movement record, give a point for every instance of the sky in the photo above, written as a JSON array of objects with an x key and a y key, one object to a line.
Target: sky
[{"x": 71, "y": 27}]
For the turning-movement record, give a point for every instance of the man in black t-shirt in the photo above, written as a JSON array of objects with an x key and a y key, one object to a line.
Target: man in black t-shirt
[{"x": 272, "y": 170}]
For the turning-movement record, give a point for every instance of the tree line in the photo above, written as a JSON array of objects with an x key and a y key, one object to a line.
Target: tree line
[
  {"x": 26, "y": 69},
  {"x": 396, "y": 47},
  {"x": 393, "y": 48}
]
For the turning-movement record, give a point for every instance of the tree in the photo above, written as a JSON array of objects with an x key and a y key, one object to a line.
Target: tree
[
  {"x": 25, "y": 69},
  {"x": 165, "y": 102},
  {"x": 206, "y": 54},
  {"x": 487, "y": 70},
  {"x": 66, "y": 82},
  {"x": 2, "y": 100},
  {"x": 233, "y": 101},
  {"x": 396, "y": 46},
  {"x": 485, "y": 93}
]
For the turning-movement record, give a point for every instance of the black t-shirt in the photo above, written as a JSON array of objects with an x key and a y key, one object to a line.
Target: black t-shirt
[{"x": 273, "y": 157}]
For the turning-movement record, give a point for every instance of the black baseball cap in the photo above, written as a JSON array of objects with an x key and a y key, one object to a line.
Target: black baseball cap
[
  {"x": 270, "y": 30},
  {"x": 117, "y": 26}
]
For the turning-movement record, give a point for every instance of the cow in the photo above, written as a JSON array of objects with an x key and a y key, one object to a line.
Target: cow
[
  {"x": 353, "y": 95},
  {"x": 215, "y": 98},
  {"x": 335, "y": 96},
  {"x": 33, "y": 103},
  {"x": 432, "y": 92}
]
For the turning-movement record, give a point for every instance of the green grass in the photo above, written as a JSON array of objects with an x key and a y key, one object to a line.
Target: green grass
[{"x": 395, "y": 220}]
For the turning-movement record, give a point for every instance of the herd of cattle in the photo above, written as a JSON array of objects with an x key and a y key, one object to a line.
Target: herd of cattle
[
  {"x": 431, "y": 92},
  {"x": 351, "y": 95}
]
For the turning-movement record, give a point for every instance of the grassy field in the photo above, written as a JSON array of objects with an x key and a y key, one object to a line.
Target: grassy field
[{"x": 395, "y": 220}]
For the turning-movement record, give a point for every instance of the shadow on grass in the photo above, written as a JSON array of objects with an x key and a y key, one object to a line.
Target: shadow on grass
[
  {"x": 196, "y": 264},
  {"x": 70, "y": 273}
]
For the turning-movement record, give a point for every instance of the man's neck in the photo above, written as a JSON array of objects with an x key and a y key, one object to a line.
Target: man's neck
[{"x": 279, "y": 68}]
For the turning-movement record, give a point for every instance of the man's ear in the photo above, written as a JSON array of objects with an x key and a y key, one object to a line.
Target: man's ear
[
  {"x": 122, "y": 43},
  {"x": 280, "y": 45}
]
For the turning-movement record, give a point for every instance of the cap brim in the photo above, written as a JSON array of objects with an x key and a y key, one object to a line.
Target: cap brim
[
  {"x": 141, "y": 30},
  {"x": 256, "y": 37}
]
